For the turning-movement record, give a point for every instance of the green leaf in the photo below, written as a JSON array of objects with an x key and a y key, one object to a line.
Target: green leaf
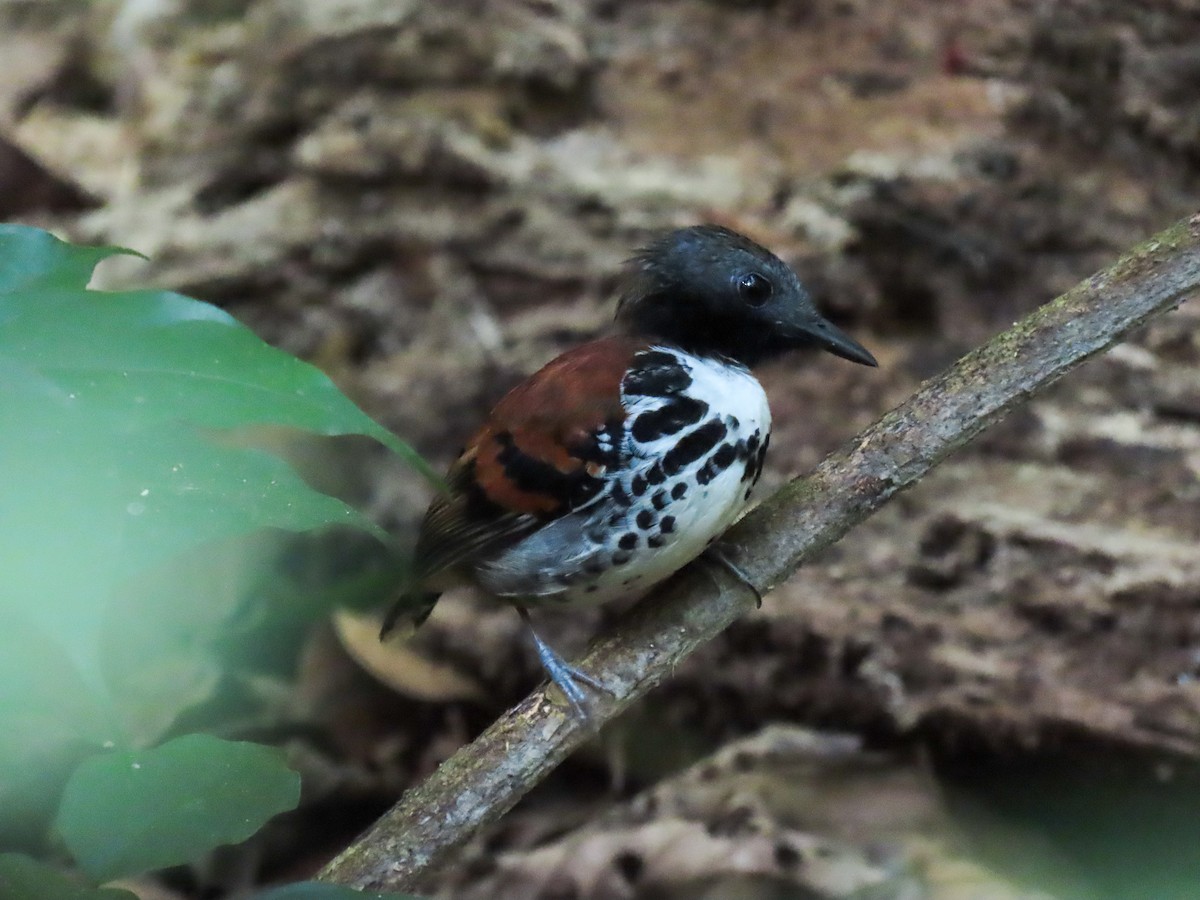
[
  {"x": 22, "y": 878},
  {"x": 315, "y": 890},
  {"x": 138, "y": 472},
  {"x": 51, "y": 716},
  {"x": 32, "y": 258},
  {"x": 162, "y": 357},
  {"x": 129, "y": 812}
]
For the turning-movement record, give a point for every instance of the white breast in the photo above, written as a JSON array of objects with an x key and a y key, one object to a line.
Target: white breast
[{"x": 713, "y": 496}]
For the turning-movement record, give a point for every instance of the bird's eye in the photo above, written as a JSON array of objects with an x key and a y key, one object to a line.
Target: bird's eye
[{"x": 754, "y": 288}]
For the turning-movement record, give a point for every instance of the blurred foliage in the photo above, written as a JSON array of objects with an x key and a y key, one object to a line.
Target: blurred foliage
[
  {"x": 224, "y": 788},
  {"x": 22, "y": 878},
  {"x": 144, "y": 521}
]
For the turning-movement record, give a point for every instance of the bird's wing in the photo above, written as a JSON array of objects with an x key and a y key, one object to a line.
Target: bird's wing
[{"x": 548, "y": 448}]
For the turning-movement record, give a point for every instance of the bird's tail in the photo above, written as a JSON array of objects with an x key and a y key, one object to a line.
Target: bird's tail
[{"x": 409, "y": 611}]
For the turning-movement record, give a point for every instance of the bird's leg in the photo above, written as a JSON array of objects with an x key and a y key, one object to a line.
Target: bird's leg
[
  {"x": 562, "y": 673},
  {"x": 714, "y": 555}
]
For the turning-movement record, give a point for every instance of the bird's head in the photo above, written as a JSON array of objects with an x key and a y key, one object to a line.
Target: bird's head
[{"x": 712, "y": 291}]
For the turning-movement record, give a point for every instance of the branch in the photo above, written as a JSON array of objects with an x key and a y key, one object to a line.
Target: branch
[{"x": 484, "y": 779}]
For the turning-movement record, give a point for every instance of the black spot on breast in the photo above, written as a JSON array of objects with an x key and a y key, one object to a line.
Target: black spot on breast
[
  {"x": 761, "y": 458},
  {"x": 693, "y": 445},
  {"x": 724, "y": 456},
  {"x": 667, "y": 525},
  {"x": 655, "y": 541},
  {"x": 638, "y": 486},
  {"x": 618, "y": 495},
  {"x": 668, "y": 419},
  {"x": 629, "y": 866},
  {"x": 621, "y": 557},
  {"x": 628, "y": 541},
  {"x": 678, "y": 492},
  {"x": 594, "y": 567},
  {"x": 656, "y": 374},
  {"x": 706, "y": 473},
  {"x": 656, "y": 475},
  {"x": 746, "y": 447},
  {"x": 756, "y": 455},
  {"x": 787, "y": 856},
  {"x": 645, "y": 520},
  {"x": 659, "y": 500}
]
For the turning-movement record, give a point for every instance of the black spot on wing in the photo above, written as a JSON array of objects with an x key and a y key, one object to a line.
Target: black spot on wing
[
  {"x": 479, "y": 505},
  {"x": 571, "y": 489},
  {"x": 668, "y": 419},
  {"x": 655, "y": 373},
  {"x": 603, "y": 446},
  {"x": 693, "y": 445}
]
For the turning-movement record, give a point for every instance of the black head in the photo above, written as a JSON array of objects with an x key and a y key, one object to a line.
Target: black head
[{"x": 712, "y": 291}]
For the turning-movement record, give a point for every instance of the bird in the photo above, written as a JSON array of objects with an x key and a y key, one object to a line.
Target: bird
[{"x": 624, "y": 459}]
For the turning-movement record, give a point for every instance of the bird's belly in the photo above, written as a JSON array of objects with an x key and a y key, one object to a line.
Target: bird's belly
[
  {"x": 694, "y": 522},
  {"x": 622, "y": 549}
]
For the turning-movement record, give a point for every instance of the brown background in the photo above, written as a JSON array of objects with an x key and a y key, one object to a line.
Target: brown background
[{"x": 429, "y": 200}]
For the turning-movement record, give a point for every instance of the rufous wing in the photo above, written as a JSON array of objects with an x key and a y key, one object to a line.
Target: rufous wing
[{"x": 548, "y": 448}]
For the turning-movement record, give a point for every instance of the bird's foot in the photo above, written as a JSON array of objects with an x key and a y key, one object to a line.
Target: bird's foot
[
  {"x": 562, "y": 673},
  {"x": 714, "y": 556}
]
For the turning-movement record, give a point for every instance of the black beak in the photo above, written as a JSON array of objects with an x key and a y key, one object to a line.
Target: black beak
[{"x": 829, "y": 337}]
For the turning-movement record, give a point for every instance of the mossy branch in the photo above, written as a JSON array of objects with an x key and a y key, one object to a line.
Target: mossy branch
[{"x": 486, "y": 778}]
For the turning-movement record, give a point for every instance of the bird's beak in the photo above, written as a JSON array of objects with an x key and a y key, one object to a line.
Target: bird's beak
[{"x": 829, "y": 337}]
